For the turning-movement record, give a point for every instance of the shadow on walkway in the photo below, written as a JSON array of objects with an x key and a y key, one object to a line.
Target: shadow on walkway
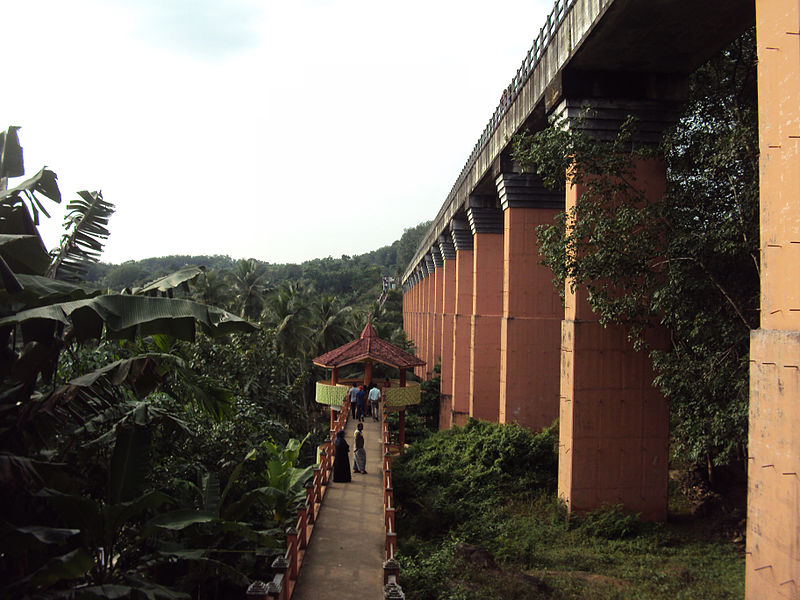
[{"x": 345, "y": 555}]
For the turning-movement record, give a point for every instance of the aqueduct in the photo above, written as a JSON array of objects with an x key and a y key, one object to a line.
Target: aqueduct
[{"x": 476, "y": 298}]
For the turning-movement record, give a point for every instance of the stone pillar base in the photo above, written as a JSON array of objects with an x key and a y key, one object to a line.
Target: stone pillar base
[
  {"x": 614, "y": 425},
  {"x": 773, "y": 496}
]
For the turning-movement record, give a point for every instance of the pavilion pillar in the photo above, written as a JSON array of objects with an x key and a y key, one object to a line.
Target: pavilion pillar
[
  {"x": 462, "y": 321},
  {"x": 438, "y": 307},
  {"x": 448, "y": 309},
  {"x": 367, "y": 372},
  {"x": 530, "y": 333},
  {"x": 773, "y": 517},
  {"x": 486, "y": 223}
]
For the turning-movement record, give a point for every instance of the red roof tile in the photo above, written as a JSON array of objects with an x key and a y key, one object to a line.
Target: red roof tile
[{"x": 368, "y": 347}]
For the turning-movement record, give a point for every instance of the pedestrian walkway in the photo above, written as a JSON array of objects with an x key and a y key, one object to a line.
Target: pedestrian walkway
[{"x": 344, "y": 559}]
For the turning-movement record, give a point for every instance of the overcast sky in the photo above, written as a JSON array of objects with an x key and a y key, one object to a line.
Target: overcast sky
[{"x": 281, "y": 131}]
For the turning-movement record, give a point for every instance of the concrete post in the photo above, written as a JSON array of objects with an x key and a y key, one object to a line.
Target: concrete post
[
  {"x": 448, "y": 309},
  {"x": 430, "y": 316},
  {"x": 462, "y": 320},
  {"x": 438, "y": 308},
  {"x": 773, "y": 519},
  {"x": 486, "y": 224},
  {"x": 530, "y": 334},
  {"x": 614, "y": 425}
]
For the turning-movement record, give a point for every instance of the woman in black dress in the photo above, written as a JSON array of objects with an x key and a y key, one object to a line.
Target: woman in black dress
[{"x": 341, "y": 462}]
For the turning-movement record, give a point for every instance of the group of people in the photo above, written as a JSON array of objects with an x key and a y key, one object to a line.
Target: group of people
[
  {"x": 341, "y": 459},
  {"x": 358, "y": 395},
  {"x": 358, "y": 401}
]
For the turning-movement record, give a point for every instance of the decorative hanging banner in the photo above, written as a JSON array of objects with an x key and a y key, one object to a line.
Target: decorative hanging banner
[
  {"x": 331, "y": 395},
  {"x": 402, "y": 396}
]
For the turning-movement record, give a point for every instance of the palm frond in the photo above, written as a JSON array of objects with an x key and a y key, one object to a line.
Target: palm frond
[{"x": 86, "y": 221}]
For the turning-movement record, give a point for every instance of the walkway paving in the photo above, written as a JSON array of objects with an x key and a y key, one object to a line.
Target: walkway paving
[{"x": 345, "y": 556}]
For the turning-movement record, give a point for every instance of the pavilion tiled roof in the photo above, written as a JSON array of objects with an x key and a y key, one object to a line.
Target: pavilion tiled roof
[{"x": 368, "y": 347}]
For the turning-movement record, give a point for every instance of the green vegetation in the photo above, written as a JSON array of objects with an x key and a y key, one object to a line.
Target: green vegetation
[
  {"x": 150, "y": 439},
  {"x": 477, "y": 519}
]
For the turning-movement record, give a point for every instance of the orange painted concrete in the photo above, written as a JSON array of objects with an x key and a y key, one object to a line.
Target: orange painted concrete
[
  {"x": 773, "y": 519},
  {"x": 462, "y": 336},
  {"x": 487, "y": 314},
  {"x": 448, "y": 310},
  {"x": 773, "y": 516},
  {"x": 438, "y": 312},
  {"x": 424, "y": 323},
  {"x": 431, "y": 316},
  {"x": 614, "y": 425},
  {"x": 530, "y": 333}
]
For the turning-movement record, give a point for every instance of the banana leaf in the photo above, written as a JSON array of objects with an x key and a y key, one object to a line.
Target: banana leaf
[
  {"x": 11, "y": 161},
  {"x": 169, "y": 282},
  {"x": 126, "y": 317},
  {"x": 24, "y": 253},
  {"x": 40, "y": 291},
  {"x": 18, "y": 540},
  {"x": 44, "y": 182}
]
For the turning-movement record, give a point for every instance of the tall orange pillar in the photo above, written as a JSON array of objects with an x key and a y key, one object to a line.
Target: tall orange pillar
[
  {"x": 422, "y": 342},
  {"x": 773, "y": 499},
  {"x": 430, "y": 346},
  {"x": 530, "y": 332},
  {"x": 487, "y": 311},
  {"x": 438, "y": 307},
  {"x": 614, "y": 425},
  {"x": 448, "y": 309},
  {"x": 462, "y": 320}
]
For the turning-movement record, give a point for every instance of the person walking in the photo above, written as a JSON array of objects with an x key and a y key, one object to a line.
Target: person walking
[
  {"x": 360, "y": 455},
  {"x": 374, "y": 401},
  {"x": 361, "y": 403},
  {"x": 352, "y": 393}
]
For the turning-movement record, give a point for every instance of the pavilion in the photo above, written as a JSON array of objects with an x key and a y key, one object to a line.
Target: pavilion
[{"x": 369, "y": 348}]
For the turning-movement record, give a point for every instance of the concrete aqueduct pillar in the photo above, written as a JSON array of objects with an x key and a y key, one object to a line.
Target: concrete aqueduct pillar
[
  {"x": 430, "y": 311},
  {"x": 530, "y": 332},
  {"x": 614, "y": 425},
  {"x": 773, "y": 512},
  {"x": 438, "y": 296},
  {"x": 448, "y": 252},
  {"x": 422, "y": 321},
  {"x": 486, "y": 223},
  {"x": 462, "y": 321}
]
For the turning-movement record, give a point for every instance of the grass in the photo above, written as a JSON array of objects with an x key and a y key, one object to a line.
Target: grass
[{"x": 540, "y": 553}]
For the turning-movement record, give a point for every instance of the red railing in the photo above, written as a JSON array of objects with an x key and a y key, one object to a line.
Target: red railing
[
  {"x": 391, "y": 566},
  {"x": 287, "y": 566}
]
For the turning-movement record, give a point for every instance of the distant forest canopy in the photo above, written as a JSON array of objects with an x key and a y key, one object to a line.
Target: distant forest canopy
[{"x": 346, "y": 277}]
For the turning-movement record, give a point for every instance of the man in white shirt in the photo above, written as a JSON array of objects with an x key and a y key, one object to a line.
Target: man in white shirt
[
  {"x": 374, "y": 400},
  {"x": 352, "y": 393}
]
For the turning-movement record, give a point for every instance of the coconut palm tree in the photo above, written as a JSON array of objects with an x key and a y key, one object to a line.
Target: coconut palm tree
[
  {"x": 331, "y": 322},
  {"x": 250, "y": 287}
]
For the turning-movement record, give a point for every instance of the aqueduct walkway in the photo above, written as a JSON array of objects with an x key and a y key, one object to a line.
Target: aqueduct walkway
[{"x": 345, "y": 558}]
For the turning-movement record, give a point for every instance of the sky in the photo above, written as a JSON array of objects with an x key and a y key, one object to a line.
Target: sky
[{"x": 281, "y": 131}]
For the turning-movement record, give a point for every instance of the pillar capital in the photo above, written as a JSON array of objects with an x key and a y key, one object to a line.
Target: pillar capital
[
  {"x": 436, "y": 256},
  {"x": 430, "y": 266},
  {"x": 446, "y": 247},
  {"x": 461, "y": 234},
  {"x": 525, "y": 190},
  {"x": 484, "y": 219},
  {"x": 601, "y": 118}
]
